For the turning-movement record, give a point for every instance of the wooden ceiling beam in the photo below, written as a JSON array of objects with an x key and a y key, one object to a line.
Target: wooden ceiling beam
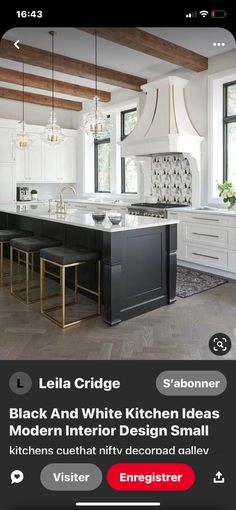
[
  {"x": 42, "y": 58},
  {"x": 40, "y": 99},
  {"x": 41, "y": 82},
  {"x": 150, "y": 44}
]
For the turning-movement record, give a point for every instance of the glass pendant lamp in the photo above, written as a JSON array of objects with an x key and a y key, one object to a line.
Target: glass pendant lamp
[
  {"x": 22, "y": 140},
  {"x": 96, "y": 124},
  {"x": 52, "y": 133}
]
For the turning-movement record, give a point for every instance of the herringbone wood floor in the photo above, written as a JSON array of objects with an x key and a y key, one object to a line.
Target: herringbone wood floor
[{"x": 179, "y": 331}]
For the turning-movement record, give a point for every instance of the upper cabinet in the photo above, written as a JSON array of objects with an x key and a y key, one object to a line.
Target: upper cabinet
[
  {"x": 29, "y": 166},
  {"x": 7, "y": 151},
  {"x": 48, "y": 163},
  {"x": 68, "y": 158}
]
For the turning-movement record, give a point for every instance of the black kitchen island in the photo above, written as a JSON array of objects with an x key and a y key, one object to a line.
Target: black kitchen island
[{"x": 138, "y": 256}]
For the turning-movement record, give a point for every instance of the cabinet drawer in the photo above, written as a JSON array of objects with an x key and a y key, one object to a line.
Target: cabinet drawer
[
  {"x": 210, "y": 219},
  {"x": 206, "y": 234},
  {"x": 205, "y": 255}
]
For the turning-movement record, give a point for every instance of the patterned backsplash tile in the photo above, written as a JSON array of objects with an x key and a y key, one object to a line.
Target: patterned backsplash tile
[{"x": 171, "y": 179}]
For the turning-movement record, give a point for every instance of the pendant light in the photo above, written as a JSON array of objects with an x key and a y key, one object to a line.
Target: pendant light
[
  {"x": 96, "y": 124},
  {"x": 52, "y": 132},
  {"x": 23, "y": 141}
]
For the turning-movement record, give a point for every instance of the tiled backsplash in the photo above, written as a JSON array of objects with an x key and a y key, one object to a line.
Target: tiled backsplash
[{"x": 171, "y": 179}]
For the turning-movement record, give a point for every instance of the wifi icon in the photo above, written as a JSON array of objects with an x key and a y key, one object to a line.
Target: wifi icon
[{"x": 204, "y": 13}]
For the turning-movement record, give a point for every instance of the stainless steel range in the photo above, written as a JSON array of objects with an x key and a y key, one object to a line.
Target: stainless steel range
[{"x": 156, "y": 210}]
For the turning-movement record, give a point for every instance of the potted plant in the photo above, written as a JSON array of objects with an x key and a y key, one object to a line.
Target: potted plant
[
  {"x": 228, "y": 193},
  {"x": 34, "y": 194}
]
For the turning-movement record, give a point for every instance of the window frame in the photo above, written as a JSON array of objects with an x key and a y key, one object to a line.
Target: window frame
[
  {"x": 227, "y": 119},
  {"x": 98, "y": 142},
  {"x": 122, "y": 137}
]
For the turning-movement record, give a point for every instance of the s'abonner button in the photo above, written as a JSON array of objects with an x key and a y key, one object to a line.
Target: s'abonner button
[
  {"x": 191, "y": 382},
  {"x": 71, "y": 477},
  {"x": 151, "y": 477}
]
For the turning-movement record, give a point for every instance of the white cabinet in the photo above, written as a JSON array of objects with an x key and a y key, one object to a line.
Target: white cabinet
[
  {"x": 7, "y": 150},
  {"x": 51, "y": 163},
  {"x": 7, "y": 182},
  {"x": 68, "y": 159},
  {"x": 29, "y": 166},
  {"x": 34, "y": 170},
  {"x": 48, "y": 163},
  {"x": 207, "y": 240}
]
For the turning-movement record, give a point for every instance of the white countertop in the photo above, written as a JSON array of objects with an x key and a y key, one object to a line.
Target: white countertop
[
  {"x": 213, "y": 210},
  {"x": 85, "y": 220}
]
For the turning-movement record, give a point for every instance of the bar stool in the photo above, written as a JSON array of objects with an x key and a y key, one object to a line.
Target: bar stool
[
  {"x": 28, "y": 247},
  {"x": 5, "y": 237},
  {"x": 64, "y": 257}
]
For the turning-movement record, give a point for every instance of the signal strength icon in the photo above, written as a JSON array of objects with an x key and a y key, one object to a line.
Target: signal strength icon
[
  {"x": 191, "y": 14},
  {"x": 203, "y": 13}
]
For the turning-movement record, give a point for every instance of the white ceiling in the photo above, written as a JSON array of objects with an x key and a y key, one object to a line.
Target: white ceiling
[{"x": 77, "y": 44}]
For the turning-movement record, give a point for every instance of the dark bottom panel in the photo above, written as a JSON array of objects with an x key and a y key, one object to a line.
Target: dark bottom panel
[{"x": 144, "y": 307}]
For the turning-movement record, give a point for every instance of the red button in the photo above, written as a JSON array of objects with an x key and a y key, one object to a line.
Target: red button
[{"x": 151, "y": 477}]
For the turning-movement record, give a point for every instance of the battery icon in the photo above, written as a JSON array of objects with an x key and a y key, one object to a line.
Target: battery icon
[{"x": 218, "y": 14}]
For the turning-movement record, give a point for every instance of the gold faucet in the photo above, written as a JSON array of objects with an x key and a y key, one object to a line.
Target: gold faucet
[{"x": 61, "y": 206}]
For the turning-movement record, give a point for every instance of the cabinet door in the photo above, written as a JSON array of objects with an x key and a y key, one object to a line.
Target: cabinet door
[
  {"x": 21, "y": 164},
  {"x": 68, "y": 159},
  {"x": 7, "y": 152},
  {"x": 51, "y": 163},
  {"x": 7, "y": 182},
  {"x": 34, "y": 168}
]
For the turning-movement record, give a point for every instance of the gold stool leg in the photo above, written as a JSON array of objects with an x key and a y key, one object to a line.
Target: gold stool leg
[
  {"x": 63, "y": 296},
  {"x": 1, "y": 263}
]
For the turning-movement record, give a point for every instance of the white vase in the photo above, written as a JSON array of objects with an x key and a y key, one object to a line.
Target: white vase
[{"x": 34, "y": 197}]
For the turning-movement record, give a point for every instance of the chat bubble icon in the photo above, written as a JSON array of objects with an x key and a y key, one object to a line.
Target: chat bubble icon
[{"x": 17, "y": 476}]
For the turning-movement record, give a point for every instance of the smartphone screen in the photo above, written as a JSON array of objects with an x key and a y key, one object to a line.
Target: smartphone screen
[{"x": 117, "y": 258}]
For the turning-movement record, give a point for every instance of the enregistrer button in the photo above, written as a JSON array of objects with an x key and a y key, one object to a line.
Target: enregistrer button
[{"x": 151, "y": 477}]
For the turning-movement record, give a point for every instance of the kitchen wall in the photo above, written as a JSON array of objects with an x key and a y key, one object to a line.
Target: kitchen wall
[{"x": 46, "y": 191}]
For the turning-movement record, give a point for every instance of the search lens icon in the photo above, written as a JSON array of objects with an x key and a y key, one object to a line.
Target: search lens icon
[
  {"x": 220, "y": 344},
  {"x": 17, "y": 476}
]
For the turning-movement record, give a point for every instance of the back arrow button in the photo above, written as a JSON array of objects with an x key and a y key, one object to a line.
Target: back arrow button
[{"x": 16, "y": 44}]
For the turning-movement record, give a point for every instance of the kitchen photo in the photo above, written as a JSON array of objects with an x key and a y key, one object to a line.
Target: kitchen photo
[{"x": 117, "y": 193}]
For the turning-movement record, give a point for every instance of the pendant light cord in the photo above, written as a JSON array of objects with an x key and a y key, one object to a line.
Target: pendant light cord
[
  {"x": 23, "y": 94},
  {"x": 96, "y": 67},
  {"x": 53, "y": 33}
]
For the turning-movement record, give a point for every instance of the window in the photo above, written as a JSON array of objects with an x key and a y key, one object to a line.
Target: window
[
  {"x": 229, "y": 132},
  {"x": 102, "y": 165},
  {"x": 129, "y": 178}
]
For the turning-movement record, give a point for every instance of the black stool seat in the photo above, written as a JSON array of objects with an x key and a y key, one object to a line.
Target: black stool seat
[
  {"x": 65, "y": 255},
  {"x": 30, "y": 244},
  {"x": 8, "y": 234}
]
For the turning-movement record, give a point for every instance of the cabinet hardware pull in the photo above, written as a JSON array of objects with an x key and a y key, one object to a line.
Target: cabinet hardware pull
[
  {"x": 201, "y": 255},
  {"x": 205, "y": 235},
  {"x": 205, "y": 219}
]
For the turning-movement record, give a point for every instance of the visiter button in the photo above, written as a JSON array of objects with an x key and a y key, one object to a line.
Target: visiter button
[
  {"x": 151, "y": 477},
  {"x": 71, "y": 477}
]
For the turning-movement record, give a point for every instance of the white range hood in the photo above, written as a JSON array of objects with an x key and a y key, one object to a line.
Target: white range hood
[{"x": 164, "y": 125}]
